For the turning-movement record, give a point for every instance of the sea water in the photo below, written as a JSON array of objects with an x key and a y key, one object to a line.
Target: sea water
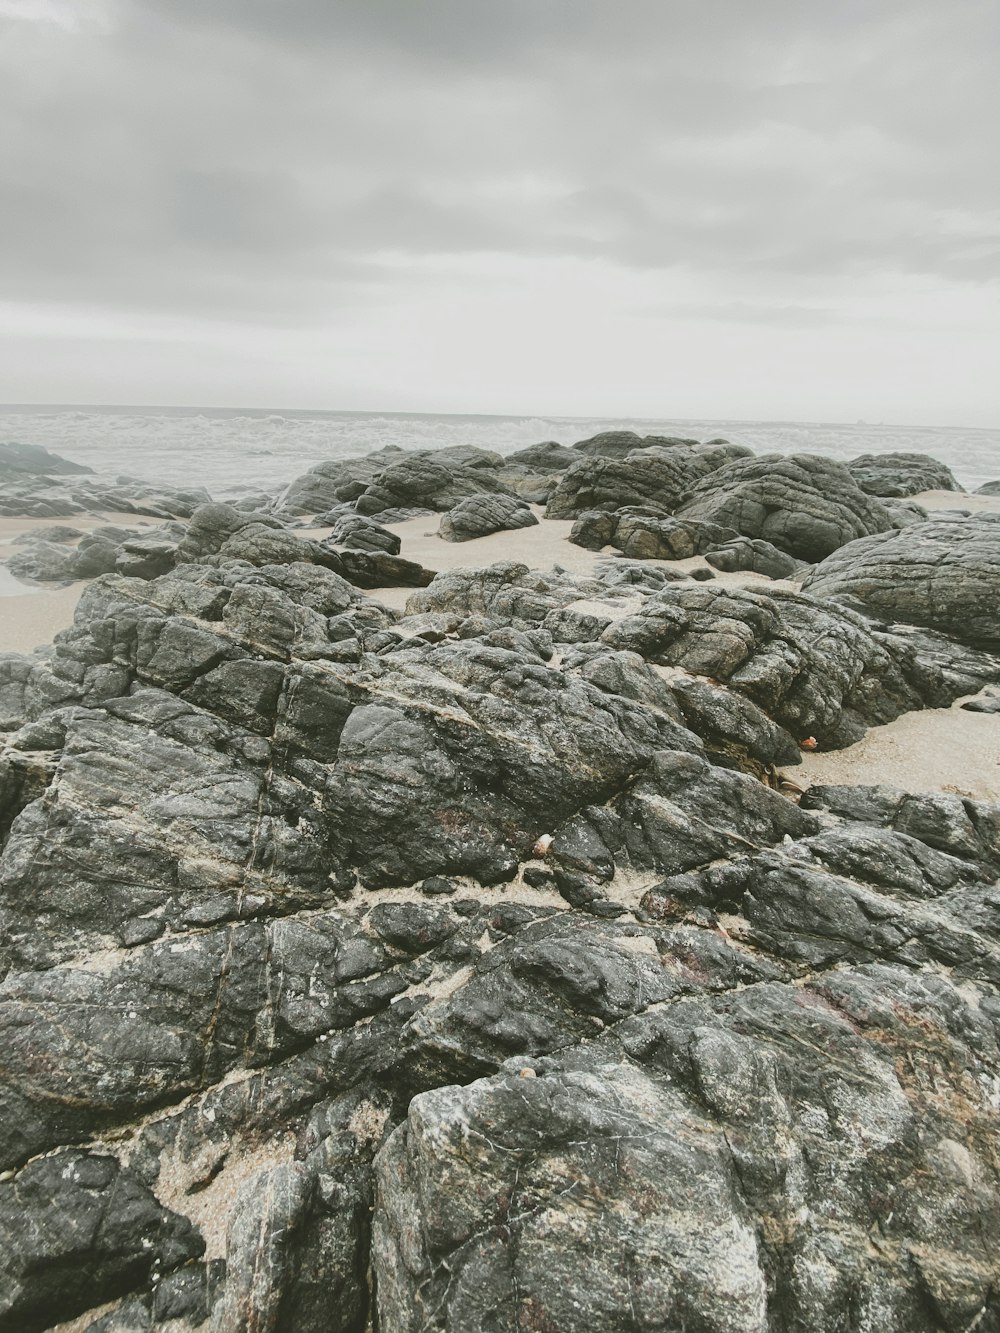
[{"x": 233, "y": 450}]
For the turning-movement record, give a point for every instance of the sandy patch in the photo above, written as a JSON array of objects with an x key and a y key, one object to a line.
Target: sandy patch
[
  {"x": 31, "y": 616},
  {"x": 936, "y": 750},
  {"x": 975, "y": 504}
]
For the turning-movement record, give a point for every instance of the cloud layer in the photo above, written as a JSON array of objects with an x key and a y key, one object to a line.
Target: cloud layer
[{"x": 372, "y": 186}]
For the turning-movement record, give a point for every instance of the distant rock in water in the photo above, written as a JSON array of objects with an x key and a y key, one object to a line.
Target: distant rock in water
[
  {"x": 944, "y": 574},
  {"x": 899, "y": 475},
  {"x": 31, "y": 460}
]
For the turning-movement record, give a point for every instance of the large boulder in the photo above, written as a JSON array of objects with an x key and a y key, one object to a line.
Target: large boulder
[
  {"x": 901, "y": 474},
  {"x": 805, "y": 505},
  {"x": 943, "y": 574},
  {"x": 431, "y": 481},
  {"x": 482, "y": 514},
  {"x": 657, "y": 475}
]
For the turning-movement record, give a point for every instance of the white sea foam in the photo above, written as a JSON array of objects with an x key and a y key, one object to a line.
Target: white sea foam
[{"x": 226, "y": 450}]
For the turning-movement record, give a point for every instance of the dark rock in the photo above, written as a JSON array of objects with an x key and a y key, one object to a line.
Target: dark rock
[
  {"x": 363, "y": 534},
  {"x": 433, "y": 481},
  {"x": 804, "y": 505},
  {"x": 901, "y": 474},
  {"x": 660, "y": 475},
  {"x": 988, "y": 488},
  {"x": 482, "y": 514},
  {"x": 758, "y": 556},
  {"x": 31, "y": 460},
  {"x": 945, "y": 575},
  {"x": 95, "y": 1232}
]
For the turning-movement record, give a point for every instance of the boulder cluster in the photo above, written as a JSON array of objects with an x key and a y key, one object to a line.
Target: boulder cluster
[{"x": 477, "y": 965}]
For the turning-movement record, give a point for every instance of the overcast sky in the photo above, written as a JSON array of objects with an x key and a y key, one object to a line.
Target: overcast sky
[{"x": 682, "y": 208}]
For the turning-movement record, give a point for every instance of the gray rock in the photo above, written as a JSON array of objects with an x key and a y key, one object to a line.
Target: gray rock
[
  {"x": 944, "y": 574},
  {"x": 660, "y": 475},
  {"x": 901, "y": 474},
  {"x": 804, "y": 505},
  {"x": 480, "y": 515},
  {"x": 362, "y": 534}
]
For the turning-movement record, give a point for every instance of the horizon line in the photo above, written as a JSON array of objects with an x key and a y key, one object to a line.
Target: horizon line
[{"x": 150, "y": 408}]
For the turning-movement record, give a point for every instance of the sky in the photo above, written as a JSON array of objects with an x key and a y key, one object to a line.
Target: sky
[{"x": 680, "y": 208}]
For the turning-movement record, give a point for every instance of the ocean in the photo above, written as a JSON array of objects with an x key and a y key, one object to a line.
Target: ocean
[{"x": 230, "y": 451}]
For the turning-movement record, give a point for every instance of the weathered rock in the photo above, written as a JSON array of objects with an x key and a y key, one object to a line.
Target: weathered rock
[
  {"x": 943, "y": 574},
  {"x": 660, "y": 475},
  {"x": 433, "y": 481},
  {"x": 901, "y": 474},
  {"x": 755, "y": 555},
  {"x": 805, "y": 505},
  {"x": 482, "y": 514},
  {"x": 362, "y": 534},
  {"x": 988, "y": 488},
  {"x": 93, "y": 1231}
]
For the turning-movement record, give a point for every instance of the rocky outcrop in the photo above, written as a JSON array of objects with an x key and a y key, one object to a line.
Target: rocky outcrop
[
  {"x": 899, "y": 475},
  {"x": 804, "y": 505},
  {"x": 759, "y": 557},
  {"x": 943, "y": 574},
  {"x": 481, "y": 515},
  {"x": 467, "y": 967}
]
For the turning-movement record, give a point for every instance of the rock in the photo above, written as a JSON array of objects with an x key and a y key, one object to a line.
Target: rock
[
  {"x": 482, "y": 514},
  {"x": 334, "y": 482},
  {"x": 620, "y": 443},
  {"x": 988, "y": 488},
  {"x": 433, "y": 481},
  {"x": 942, "y": 574},
  {"x": 465, "y": 968},
  {"x": 482, "y": 1207},
  {"x": 816, "y": 668},
  {"x": 758, "y": 556},
  {"x": 804, "y": 505},
  {"x": 659, "y": 475},
  {"x": 95, "y": 1232},
  {"x": 362, "y": 534},
  {"x": 31, "y": 460},
  {"x": 901, "y": 474}
]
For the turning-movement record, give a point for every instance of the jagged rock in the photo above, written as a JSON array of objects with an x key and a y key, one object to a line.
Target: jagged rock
[
  {"x": 362, "y": 534},
  {"x": 482, "y": 514},
  {"x": 640, "y": 533},
  {"x": 755, "y": 555},
  {"x": 901, "y": 474},
  {"x": 468, "y": 949},
  {"x": 805, "y": 505},
  {"x": 335, "y": 482},
  {"x": 943, "y": 574},
  {"x": 817, "y": 669},
  {"x": 659, "y": 475},
  {"x": 93, "y": 1231}
]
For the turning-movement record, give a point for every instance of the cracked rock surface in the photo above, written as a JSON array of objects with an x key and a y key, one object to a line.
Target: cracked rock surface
[{"x": 465, "y": 967}]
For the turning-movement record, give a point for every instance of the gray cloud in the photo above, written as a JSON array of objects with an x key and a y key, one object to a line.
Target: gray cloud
[{"x": 262, "y": 161}]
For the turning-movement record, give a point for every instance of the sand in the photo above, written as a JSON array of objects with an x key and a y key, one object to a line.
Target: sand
[
  {"x": 936, "y": 750},
  {"x": 973, "y": 504}
]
